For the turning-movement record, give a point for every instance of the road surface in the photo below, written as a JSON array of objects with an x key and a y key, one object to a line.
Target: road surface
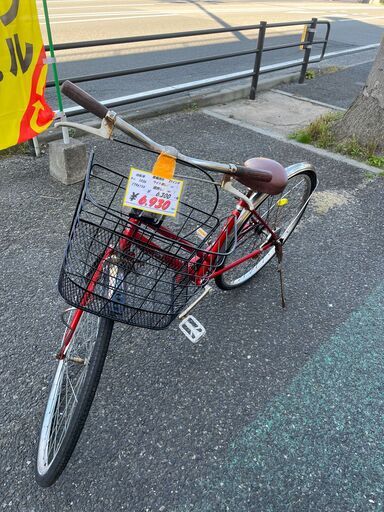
[{"x": 353, "y": 24}]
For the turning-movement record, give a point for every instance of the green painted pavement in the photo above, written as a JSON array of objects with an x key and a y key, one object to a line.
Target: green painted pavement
[{"x": 319, "y": 446}]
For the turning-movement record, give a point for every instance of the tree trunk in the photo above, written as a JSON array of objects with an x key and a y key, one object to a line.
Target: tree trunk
[{"x": 364, "y": 120}]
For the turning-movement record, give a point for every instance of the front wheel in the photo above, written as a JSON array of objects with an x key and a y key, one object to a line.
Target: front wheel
[
  {"x": 72, "y": 391},
  {"x": 282, "y": 213}
]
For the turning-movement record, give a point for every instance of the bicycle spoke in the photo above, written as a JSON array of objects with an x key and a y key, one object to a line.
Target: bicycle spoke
[{"x": 69, "y": 384}]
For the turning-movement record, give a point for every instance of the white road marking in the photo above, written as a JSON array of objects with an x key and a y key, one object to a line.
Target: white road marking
[
  {"x": 196, "y": 10},
  {"x": 57, "y": 17},
  {"x": 297, "y": 11},
  {"x": 359, "y": 19},
  {"x": 216, "y": 11},
  {"x": 53, "y": 22},
  {"x": 61, "y": 7},
  {"x": 350, "y": 50},
  {"x": 61, "y": 2},
  {"x": 111, "y": 13}
]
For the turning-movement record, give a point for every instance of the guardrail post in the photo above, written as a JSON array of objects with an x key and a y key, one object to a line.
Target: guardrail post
[
  {"x": 259, "y": 53},
  {"x": 308, "y": 48}
]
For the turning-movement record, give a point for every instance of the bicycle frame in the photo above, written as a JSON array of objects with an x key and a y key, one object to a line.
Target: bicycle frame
[
  {"x": 208, "y": 258},
  {"x": 203, "y": 259}
]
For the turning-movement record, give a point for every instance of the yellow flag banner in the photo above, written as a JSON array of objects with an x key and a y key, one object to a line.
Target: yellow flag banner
[{"x": 24, "y": 113}]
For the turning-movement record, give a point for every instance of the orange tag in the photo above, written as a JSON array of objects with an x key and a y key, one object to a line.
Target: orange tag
[{"x": 165, "y": 166}]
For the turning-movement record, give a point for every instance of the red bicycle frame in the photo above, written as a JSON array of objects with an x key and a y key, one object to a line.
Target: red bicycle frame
[
  {"x": 209, "y": 255},
  {"x": 205, "y": 257}
]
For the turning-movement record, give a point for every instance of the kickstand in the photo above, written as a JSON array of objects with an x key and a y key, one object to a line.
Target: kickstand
[{"x": 279, "y": 254}]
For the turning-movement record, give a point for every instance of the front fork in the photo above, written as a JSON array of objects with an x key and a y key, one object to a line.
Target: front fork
[{"x": 106, "y": 259}]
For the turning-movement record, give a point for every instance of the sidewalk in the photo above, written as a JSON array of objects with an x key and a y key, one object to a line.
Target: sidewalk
[
  {"x": 273, "y": 410},
  {"x": 280, "y": 112}
]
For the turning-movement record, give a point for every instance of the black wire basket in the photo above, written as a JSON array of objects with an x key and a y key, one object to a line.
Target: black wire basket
[{"x": 144, "y": 280}]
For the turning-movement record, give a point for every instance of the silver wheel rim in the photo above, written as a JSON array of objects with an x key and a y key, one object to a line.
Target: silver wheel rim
[
  {"x": 304, "y": 181},
  {"x": 65, "y": 391}
]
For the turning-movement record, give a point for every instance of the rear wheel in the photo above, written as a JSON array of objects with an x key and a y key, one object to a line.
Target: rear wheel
[
  {"x": 282, "y": 213},
  {"x": 72, "y": 391}
]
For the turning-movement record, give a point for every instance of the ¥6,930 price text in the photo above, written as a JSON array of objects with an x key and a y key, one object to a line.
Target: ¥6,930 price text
[{"x": 154, "y": 202}]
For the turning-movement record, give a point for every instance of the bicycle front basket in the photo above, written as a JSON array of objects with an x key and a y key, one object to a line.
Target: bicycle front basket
[{"x": 123, "y": 265}]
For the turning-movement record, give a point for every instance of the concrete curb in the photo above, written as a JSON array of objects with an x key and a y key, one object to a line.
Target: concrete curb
[
  {"x": 321, "y": 152},
  {"x": 193, "y": 100}
]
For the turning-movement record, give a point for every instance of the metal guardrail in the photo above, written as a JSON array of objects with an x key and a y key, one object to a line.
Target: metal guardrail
[{"x": 258, "y": 70}]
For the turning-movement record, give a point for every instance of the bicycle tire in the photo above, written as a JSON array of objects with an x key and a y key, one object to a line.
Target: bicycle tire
[
  {"x": 49, "y": 469},
  {"x": 257, "y": 237}
]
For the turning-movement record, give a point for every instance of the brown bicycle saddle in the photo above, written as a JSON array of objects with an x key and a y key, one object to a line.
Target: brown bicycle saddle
[{"x": 279, "y": 175}]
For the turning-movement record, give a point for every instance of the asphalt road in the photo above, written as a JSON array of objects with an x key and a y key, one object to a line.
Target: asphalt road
[
  {"x": 273, "y": 411},
  {"x": 76, "y": 20},
  {"x": 341, "y": 87},
  {"x": 353, "y": 24}
]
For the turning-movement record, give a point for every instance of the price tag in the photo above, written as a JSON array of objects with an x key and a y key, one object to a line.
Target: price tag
[{"x": 151, "y": 193}]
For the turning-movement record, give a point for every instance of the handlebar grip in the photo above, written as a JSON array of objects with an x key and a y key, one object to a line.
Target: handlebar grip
[
  {"x": 252, "y": 177},
  {"x": 83, "y": 99}
]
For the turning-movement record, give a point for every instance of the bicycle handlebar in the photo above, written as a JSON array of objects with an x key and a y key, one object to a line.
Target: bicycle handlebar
[
  {"x": 246, "y": 176},
  {"x": 84, "y": 99}
]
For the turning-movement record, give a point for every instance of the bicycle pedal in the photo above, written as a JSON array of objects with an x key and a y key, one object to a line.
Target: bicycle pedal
[{"x": 192, "y": 328}]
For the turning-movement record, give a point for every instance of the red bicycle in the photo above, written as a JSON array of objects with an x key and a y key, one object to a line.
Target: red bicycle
[{"x": 138, "y": 252}]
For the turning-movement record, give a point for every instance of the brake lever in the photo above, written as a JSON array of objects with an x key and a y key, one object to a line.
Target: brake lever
[{"x": 105, "y": 131}]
